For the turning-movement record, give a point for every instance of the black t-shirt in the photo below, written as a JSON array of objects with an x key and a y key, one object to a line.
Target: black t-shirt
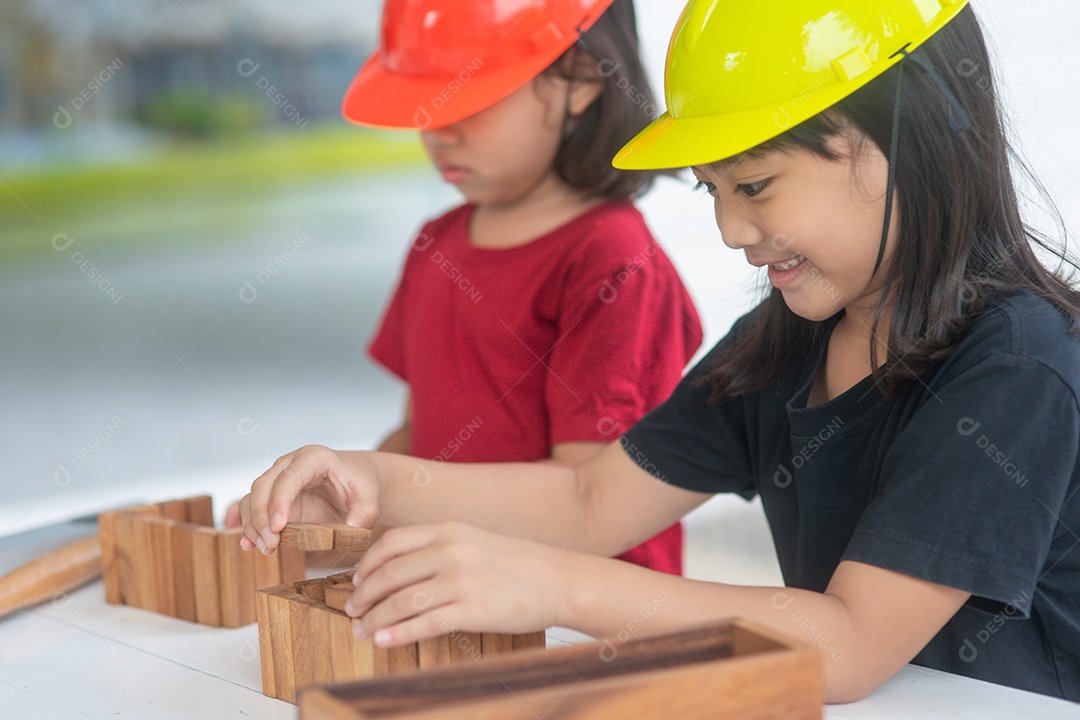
[{"x": 970, "y": 480}]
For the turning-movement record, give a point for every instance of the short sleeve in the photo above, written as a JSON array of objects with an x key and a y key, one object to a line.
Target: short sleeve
[
  {"x": 693, "y": 443},
  {"x": 972, "y": 488},
  {"x": 625, "y": 336},
  {"x": 388, "y": 344}
]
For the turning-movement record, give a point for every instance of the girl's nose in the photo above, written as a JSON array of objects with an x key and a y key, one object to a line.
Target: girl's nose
[
  {"x": 738, "y": 227},
  {"x": 441, "y": 137}
]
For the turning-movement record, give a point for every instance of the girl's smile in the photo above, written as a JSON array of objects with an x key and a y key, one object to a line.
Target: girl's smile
[{"x": 815, "y": 223}]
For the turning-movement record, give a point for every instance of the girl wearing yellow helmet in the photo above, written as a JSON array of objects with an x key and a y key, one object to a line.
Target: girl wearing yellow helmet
[{"x": 905, "y": 401}]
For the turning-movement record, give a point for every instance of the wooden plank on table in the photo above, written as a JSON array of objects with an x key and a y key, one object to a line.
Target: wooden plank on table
[
  {"x": 164, "y": 567},
  {"x": 351, "y": 658},
  {"x": 236, "y": 580},
  {"x": 433, "y": 652},
  {"x": 279, "y": 601},
  {"x": 266, "y": 643},
  {"x": 183, "y": 571},
  {"x": 174, "y": 510},
  {"x": 403, "y": 657},
  {"x": 124, "y": 553},
  {"x": 110, "y": 576},
  {"x": 304, "y": 645},
  {"x": 204, "y": 561},
  {"x": 335, "y": 596},
  {"x": 308, "y": 537},
  {"x": 466, "y": 646},
  {"x": 200, "y": 510},
  {"x": 321, "y": 641},
  {"x": 496, "y": 644},
  {"x": 529, "y": 641}
]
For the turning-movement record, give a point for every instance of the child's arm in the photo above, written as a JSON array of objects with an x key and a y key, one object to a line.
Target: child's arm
[
  {"x": 604, "y": 506},
  {"x": 575, "y": 453},
  {"x": 869, "y": 622},
  {"x": 400, "y": 441}
]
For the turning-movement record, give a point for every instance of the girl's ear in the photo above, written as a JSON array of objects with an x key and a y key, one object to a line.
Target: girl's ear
[{"x": 583, "y": 93}]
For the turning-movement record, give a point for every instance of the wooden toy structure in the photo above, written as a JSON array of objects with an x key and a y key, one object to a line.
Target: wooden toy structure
[
  {"x": 169, "y": 558},
  {"x": 732, "y": 669},
  {"x": 306, "y": 639}
]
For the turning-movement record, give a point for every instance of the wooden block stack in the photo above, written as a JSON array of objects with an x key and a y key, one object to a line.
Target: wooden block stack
[
  {"x": 169, "y": 558},
  {"x": 306, "y": 639}
]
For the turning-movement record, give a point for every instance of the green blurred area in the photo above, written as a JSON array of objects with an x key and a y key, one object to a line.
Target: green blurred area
[{"x": 187, "y": 190}]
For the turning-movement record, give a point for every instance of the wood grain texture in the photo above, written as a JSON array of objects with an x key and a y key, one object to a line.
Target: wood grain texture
[
  {"x": 433, "y": 652},
  {"x": 404, "y": 657},
  {"x": 183, "y": 571},
  {"x": 352, "y": 658},
  {"x": 174, "y": 510},
  {"x": 694, "y": 674},
  {"x": 267, "y": 570},
  {"x": 236, "y": 580},
  {"x": 200, "y": 510},
  {"x": 51, "y": 576},
  {"x": 266, "y": 643},
  {"x": 206, "y": 574},
  {"x": 317, "y": 703},
  {"x": 307, "y": 537},
  {"x": 529, "y": 641},
  {"x": 107, "y": 540},
  {"x": 350, "y": 539},
  {"x": 303, "y": 642},
  {"x": 281, "y": 626},
  {"x": 496, "y": 644},
  {"x": 144, "y": 564},
  {"x": 466, "y": 646},
  {"x": 293, "y": 564},
  {"x": 161, "y": 530},
  {"x": 335, "y": 596},
  {"x": 124, "y": 523}
]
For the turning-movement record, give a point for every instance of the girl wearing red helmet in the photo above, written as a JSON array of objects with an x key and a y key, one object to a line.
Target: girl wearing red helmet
[
  {"x": 539, "y": 319},
  {"x": 906, "y": 401}
]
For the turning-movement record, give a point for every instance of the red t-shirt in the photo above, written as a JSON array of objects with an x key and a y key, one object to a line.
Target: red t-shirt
[{"x": 572, "y": 337}]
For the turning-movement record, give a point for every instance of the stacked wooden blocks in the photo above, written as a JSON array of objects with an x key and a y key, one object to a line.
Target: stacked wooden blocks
[
  {"x": 168, "y": 558},
  {"x": 306, "y": 639}
]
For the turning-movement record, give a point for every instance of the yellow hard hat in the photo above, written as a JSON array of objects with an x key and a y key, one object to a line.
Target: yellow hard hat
[{"x": 741, "y": 73}]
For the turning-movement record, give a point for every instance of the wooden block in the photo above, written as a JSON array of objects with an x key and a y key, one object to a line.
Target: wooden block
[
  {"x": 293, "y": 564},
  {"x": 307, "y": 537},
  {"x": 496, "y": 644},
  {"x": 124, "y": 555},
  {"x": 164, "y": 567},
  {"x": 281, "y": 628},
  {"x": 350, "y": 657},
  {"x": 204, "y": 554},
  {"x": 433, "y": 652},
  {"x": 466, "y": 646},
  {"x": 693, "y": 674},
  {"x": 350, "y": 539},
  {"x": 236, "y": 580},
  {"x": 380, "y": 660},
  {"x": 314, "y": 588},
  {"x": 200, "y": 510},
  {"x": 174, "y": 510},
  {"x": 266, "y": 643},
  {"x": 528, "y": 641},
  {"x": 335, "y": 596},
  {"x": 183, "y": 572},
  {"x": 267, "y": 570},
  {"x": 321, "y": 643},
  {"x": 404, "y": 657},
  {"x": 110, "y": 576},
  {"x": 144, "y": 564},
  {"x": 303, "y": 644}
]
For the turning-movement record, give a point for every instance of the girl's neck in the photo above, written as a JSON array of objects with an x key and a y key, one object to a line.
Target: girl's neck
[{"x": 548, "y": 206}]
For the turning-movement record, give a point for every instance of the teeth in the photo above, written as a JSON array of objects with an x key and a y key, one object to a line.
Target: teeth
[{"x": 790, "y": 264}]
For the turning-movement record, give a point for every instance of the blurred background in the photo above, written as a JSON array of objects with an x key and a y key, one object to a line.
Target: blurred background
[{"x": 195, "y": 248}]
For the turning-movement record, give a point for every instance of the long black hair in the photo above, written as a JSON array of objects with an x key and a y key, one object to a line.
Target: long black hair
[{"x": 962, "y": 242}]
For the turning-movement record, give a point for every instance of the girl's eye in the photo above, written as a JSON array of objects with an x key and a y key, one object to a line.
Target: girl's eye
[
  {"x": 706, "y": 186},
  {"x": 752, "y": 189}
]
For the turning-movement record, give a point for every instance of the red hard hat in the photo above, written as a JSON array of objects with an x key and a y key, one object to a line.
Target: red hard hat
[{"x": 441, "y": 61}]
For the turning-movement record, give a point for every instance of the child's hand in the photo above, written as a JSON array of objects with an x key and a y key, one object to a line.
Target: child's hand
[
  {"x": 427, "y": 580},
  {"x": 313, "y": 484}
]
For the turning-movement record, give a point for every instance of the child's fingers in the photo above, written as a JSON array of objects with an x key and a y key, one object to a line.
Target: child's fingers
[
  {"x": 232, "y": 515},
  {"x": 394, "y": 543},
  {"x": 396, "y": 575},
  {"x": 398, "y": 620},
  {"x": 277, "y": 483}
]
